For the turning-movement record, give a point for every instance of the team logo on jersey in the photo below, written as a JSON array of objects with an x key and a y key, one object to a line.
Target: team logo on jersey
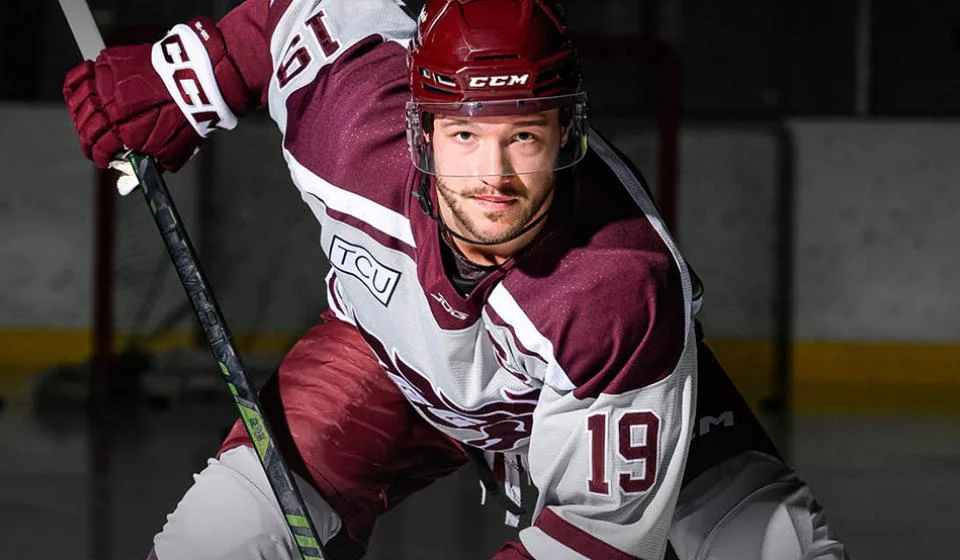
[
  {"x": 499, "y": 425},
  {"x": 356, "y": 261}
]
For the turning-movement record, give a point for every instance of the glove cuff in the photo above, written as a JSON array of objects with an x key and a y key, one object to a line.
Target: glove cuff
[
  {"x": 232, "y": 84},
  {"x": 193, "y": 63}
]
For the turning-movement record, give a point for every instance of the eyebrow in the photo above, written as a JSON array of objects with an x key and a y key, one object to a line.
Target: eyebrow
[
  {"x": 540, "y": 121},
  {"x": 454, "y": 121}
]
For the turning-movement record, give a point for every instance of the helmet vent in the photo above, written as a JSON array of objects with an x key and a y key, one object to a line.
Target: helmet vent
[
  {"x": 497, "y": 57},
  {"x": 445, "y": 80},
  {"x": 436, "y": 90}
]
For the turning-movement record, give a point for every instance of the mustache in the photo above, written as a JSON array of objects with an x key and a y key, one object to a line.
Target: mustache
[{"x": 508, "y": 189}]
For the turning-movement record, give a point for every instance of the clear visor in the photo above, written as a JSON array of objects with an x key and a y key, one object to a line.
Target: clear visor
[{"x": 497, "y": 138}]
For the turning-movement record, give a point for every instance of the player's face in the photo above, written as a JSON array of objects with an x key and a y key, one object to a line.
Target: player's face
[{"x": 495, "y": 174}]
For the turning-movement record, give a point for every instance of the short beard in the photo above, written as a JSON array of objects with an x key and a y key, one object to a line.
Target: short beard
[{"x": 469, "y": 228}]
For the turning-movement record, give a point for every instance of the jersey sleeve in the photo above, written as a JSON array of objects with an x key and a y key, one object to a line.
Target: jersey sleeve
[
  {"x": 612, "y": 426},
  {"x": 329, "y": 48},
  {"x": 263, "y": 50}
]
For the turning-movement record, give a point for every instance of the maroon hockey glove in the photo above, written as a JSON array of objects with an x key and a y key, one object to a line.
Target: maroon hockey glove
[
  {"x": 160, "y": 100},
  {"x": 121, "y": 101}
]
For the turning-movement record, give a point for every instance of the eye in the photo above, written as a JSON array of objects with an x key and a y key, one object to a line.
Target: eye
[
  {"x": 525, "y": 137},
  {"x": 463, "y": 136}
]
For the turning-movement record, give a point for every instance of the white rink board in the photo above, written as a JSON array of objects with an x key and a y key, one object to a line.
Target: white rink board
[
  {"x": 877, "y": 209},
  {"x": 878, "y": 253}
]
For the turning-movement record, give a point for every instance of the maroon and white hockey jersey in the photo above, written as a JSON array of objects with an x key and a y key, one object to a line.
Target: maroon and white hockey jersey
[{"x": 577, "y": 356}]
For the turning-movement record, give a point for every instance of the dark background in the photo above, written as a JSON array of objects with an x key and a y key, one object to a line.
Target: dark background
[{"x": 739, "y": 58}]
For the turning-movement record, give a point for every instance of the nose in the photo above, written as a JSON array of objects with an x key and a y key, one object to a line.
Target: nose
[{"x": 494, "y": 162}]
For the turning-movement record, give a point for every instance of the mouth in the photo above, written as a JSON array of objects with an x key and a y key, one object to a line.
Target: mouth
[{"x": 494, "y": 202}]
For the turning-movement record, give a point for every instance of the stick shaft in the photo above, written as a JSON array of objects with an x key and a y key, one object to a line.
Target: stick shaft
[
  {"x": 177, "y": 241},
  {"x": 83, "y": 27},
  {"x": 218, "y": 336}
]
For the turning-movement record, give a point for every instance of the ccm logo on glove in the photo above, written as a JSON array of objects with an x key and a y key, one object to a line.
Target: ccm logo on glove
[{"x": 185, "y": 67}]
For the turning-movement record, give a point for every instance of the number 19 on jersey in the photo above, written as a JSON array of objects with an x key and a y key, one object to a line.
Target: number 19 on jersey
[{"x": 636, "y": 443}]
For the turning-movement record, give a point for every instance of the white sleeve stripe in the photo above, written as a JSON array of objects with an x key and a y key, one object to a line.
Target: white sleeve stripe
[
  {"x": 509, "y": 310},
  {"x": 379, "y": 217},
  {"x": 185, "y": 67},
  {"x": 541, "y": 545}
]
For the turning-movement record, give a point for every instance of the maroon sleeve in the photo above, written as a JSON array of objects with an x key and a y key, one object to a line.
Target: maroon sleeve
[
  {"x": 627, "y": 331},
  {"x": 612, "y": 309},
  {"x": 246, "y": 35},
  {"x": 513, "y": 550},
  {"x": 242, "y": 39},
  {"x": 348, "y": 127}
]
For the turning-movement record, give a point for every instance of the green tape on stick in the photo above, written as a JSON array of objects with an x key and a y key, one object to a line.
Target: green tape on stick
[
  {"x": 298, "y": 521},
  {"x": 304, "y": 541},
  {"x": 254, "y": 424}
]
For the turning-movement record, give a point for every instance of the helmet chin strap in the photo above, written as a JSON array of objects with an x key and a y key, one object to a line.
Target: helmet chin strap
[{"x": 423, "y": 196}]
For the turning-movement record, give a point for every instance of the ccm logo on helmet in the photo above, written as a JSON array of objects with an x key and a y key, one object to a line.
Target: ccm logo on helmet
[{"x": 499, "y": 81}]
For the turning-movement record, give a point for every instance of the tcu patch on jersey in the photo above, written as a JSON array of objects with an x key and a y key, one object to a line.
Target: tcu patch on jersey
[{"x": 356, "y": 261}]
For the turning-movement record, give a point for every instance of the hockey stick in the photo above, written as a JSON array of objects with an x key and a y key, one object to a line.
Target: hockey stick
[{"x": 211, "y": 319}]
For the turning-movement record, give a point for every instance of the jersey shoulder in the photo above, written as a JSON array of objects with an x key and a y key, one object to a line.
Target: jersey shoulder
[
  {"x": 605, "y": 290},
  {"x": 339, "y": 95}
]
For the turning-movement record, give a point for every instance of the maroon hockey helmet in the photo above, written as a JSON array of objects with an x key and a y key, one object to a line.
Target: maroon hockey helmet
[
  {"x": 477, "y": 58},
  {"x": 477, "y": 50}
]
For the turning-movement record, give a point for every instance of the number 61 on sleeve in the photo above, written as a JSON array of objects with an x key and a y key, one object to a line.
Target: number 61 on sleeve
[{"x": 637, "y": 437}]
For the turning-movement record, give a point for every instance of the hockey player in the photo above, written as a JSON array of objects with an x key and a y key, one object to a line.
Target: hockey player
[{"x": 501, "y": 287}]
